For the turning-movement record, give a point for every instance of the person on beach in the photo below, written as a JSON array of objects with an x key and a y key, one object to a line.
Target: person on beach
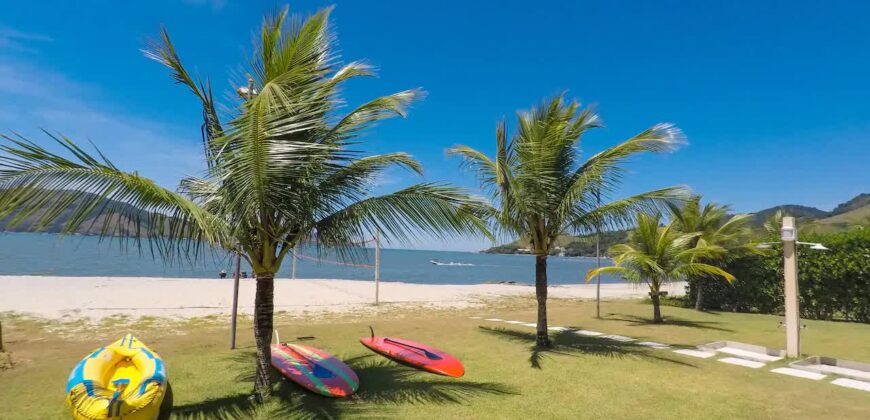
[{"x": 223, "y": 274}]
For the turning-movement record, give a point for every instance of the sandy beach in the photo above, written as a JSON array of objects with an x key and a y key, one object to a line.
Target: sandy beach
[{"x": 98, "y": 297}]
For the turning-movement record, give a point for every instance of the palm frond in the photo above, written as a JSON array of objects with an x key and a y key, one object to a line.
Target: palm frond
[{"x": 37, "y": 183}]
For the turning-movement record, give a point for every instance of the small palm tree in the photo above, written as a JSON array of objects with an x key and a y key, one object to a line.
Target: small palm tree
[
  {"x": 656, "y": 255},
  {"x": 712, "y": 225},
  {"x": 540, "y": 188},
  {"x": 280, "y": 172}
]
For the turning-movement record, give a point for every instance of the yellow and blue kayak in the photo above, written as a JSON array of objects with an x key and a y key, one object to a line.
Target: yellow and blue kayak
[{"x": 122, "y": 380}]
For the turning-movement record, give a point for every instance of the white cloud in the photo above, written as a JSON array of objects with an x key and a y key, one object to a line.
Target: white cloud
[
  {"x": 216, "y": 5},
  {"x": 13, "y": 39}
]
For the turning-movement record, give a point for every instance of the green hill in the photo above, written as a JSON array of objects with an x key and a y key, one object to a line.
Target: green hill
[
  {"x": 851, "y": 214},
  {"x": 860, "y": 201}
]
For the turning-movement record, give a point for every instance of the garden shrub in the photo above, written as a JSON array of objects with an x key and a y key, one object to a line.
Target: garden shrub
[{"x": 833, "y": 284}]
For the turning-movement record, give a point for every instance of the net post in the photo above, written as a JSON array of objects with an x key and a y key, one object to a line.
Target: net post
[
  {"x": 377, "y": 266},
  {"x": 236, "y": 276}
]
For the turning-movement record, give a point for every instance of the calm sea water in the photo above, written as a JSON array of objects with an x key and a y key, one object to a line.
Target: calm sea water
[{"x": 48, "y": 254}]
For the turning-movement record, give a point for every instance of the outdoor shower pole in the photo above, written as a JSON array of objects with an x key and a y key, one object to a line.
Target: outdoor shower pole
[
  {"x": 790, "y": 269},
  {"x": 236, "y": 276},
  {"x": 377, "y": 266}
]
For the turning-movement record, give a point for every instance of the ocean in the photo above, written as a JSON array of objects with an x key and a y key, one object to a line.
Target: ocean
[{"x": 54, "y": 255}]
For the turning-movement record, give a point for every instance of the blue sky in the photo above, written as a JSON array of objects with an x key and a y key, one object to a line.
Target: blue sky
[{"x": 772, "y": 96}]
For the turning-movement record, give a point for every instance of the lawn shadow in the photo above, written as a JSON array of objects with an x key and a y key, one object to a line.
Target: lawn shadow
[
  {"x": 240, "y": 406},
  {"x": 566, "y": 343},
  {"x": 383, "y": 383},
  {"x": 636, "y": 320}
]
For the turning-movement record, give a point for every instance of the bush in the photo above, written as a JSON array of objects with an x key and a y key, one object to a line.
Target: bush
[{"x": 833, "y": 284}]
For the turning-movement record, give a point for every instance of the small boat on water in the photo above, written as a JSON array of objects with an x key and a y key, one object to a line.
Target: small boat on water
[
  {"x": 454, "y": 264},
  {"x": 122, "y": 380}
]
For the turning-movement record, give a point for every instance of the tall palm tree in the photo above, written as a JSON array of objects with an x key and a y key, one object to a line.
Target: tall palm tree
[
  {"x": 280, "y": 171},
  {"x": 656, "y": 255},
  {"x": 540, "y": 188},
  {"x": 711, "y": 225}
]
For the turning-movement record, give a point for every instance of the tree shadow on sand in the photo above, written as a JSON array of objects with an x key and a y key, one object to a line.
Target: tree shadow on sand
[
  {"x": 566, "y": 343},
  {"x": 383, "y": 385},
  {"x": 635, "y": 320}
]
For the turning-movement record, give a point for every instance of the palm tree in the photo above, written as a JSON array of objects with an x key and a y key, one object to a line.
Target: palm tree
[
  {"x": 711, "y": 225},
  {"x": 656, "y": 255},
  {"x": 540, "y": 188},
  {"x": 280, "y": 172}
]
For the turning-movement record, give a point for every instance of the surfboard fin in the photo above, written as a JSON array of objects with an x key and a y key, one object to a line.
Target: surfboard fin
[{"x": 373, "y": 332}]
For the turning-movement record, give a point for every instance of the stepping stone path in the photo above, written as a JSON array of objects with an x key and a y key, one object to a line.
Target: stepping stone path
[
  {"x": 620, "y": 338},
  {"x": 744, "y": 358},
  {"x": 746, "y": 354},
  {"x": 799, "y": 373},
  {"x": 654, "y": 345},
  {"x": 588, "y": 333},
  {"x": 742, "y": 362},
  {"x": 852, "y": 383},
  {"x": 695, "y": 353}
]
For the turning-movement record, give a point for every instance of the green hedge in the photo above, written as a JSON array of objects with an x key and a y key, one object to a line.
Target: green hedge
[{"x": 833, "y": 284}]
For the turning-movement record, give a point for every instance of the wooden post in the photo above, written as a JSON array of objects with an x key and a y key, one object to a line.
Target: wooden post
[
  {"x": 236, "y": 276},
  {"x": 792, "y": 311},
  {"x": 1, "y": 336},
  {"x": 377, "y": 266}
]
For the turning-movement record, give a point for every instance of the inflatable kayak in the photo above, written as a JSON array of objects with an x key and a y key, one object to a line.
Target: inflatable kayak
[
  {"x": 122, "y": 380},
  {"x": 415, "y": 354},
  {"x": 314, "y": 370}
]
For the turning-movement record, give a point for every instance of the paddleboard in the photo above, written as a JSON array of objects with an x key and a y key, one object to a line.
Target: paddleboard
[
  {"x": 314, "y": 369},
  {"x": 415, "y": 354}
]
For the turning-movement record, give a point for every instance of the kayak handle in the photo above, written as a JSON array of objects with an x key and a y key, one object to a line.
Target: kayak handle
[{"x": 428, "y": 353}]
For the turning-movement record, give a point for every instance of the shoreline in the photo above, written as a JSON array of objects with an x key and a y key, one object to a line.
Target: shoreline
[{"x": 68, "y": 298}]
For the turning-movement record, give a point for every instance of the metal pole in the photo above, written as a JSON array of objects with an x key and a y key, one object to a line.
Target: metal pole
[
  {"x": 792, "y": 311},
  {"x": 293, "y": 271},
  {"x": 377, "y": 266},
  {"x": 238, "y": 273},
  {"x": 598, "y": 258},
  {"x": 236, "y": 276}
]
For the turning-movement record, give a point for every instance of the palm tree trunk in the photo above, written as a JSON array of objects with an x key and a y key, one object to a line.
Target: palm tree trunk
[
  {"x": 542, "y": 338},
  {"x": 657, "y": 311},
  {"x": 264, "y": 308},
  {"x": 699, "y": 285}
]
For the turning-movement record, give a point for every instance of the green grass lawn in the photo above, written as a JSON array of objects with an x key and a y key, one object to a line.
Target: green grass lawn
[{"x": 506, "y": 377}]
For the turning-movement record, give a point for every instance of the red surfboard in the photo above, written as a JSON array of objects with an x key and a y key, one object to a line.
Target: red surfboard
[
  {"x": 415, "y": 354},
  {"x": 314, "y": 370}
]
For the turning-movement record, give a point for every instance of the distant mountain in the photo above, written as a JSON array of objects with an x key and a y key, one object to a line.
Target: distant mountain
[
  {"x": 802, "y": 213},
  {"x": 848, "y": 215},
  {"x": 117, "y": 222},
  {"x": 860, "y": 200}
]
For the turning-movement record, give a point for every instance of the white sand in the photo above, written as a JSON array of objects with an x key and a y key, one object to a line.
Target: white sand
[{"x": 97, "y": 297}]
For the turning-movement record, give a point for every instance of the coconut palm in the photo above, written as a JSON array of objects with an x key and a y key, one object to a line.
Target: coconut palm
[
  {"x": 541, "y": 189},
  {"x": 712, "y": 225},
  {"x": 656, "y": 255},
  {"x": 281, "y": 171}
]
